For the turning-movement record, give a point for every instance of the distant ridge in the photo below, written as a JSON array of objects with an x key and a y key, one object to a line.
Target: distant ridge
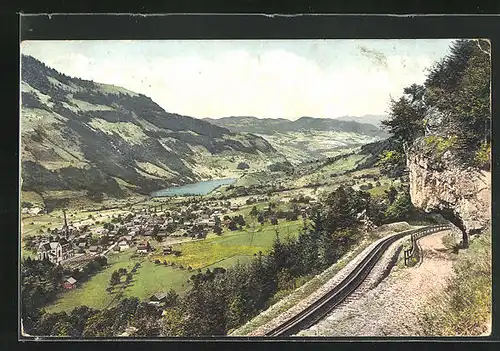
[
  {"x": 280, "y": 125},
  {"x": 372, "y": 119}
]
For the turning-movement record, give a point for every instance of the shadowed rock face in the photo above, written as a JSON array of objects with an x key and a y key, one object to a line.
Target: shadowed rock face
[{"x": 461, "y": 195}]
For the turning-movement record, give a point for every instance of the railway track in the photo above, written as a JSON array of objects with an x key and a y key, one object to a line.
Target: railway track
[{"x": 325, "y": 304}]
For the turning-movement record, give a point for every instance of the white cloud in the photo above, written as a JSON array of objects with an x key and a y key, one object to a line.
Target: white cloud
[{"x": 265, "y": 83}]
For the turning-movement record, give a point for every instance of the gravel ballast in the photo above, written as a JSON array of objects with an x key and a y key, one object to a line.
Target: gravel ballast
[
  {"x": 349, "y": 263},
  {"x": 393, "y": 307}
]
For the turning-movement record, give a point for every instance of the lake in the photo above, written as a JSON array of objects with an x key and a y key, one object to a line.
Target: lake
[{"x": 200, "y": 188}]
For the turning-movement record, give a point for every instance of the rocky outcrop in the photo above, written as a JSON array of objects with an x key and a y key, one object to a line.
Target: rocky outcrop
[{"x": 442, "y": 185}]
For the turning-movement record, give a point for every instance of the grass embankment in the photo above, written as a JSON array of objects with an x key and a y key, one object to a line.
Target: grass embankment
[{"x": 464, "y": 307}]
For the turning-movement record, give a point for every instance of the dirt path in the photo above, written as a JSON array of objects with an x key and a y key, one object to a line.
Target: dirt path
[{"x": 392, "y": 308}]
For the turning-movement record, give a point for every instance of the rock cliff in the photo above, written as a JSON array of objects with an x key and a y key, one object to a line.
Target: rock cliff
[{"x": 462, "y": 195}]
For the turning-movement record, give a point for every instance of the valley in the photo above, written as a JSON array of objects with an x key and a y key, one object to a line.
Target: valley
[
  {"x": 137, "y": 221},
  {"x": 67, "y": 187}
]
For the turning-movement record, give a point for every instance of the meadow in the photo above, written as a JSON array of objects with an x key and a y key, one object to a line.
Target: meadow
[
  {"x": 216, "y": 251},
  {"x": 242, "y": 244}
]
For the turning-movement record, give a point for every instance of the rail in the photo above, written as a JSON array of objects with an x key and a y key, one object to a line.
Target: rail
[
  {"x": 325, "y": 304},
  {"x": 410, "y": 252}
]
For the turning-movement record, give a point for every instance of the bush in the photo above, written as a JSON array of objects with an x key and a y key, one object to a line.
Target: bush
[
  {"x": 279, "y": 296},
  {"x": 482, "y": 157},
  {"x": 440, "y": 144},
  {"x": 449, "y": 241},
  {"x": 464, "y": 308}
]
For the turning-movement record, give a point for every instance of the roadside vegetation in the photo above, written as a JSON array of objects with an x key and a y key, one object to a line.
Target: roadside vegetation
[{"x": 464, "y": 307}]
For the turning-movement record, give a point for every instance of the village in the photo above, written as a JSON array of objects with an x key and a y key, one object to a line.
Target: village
[{"x": 151, "y": 230}]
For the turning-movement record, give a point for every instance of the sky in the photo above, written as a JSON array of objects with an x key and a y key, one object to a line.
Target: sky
[{"x": 261, "y": 78}]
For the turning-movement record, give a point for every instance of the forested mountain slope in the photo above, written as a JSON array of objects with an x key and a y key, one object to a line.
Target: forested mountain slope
[{"x": 83, "y": 136}]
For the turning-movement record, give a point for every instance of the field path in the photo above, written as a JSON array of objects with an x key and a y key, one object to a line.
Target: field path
[{"x": 392, "y": 308}]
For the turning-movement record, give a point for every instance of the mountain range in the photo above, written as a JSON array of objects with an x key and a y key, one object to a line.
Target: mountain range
[
  {"x": 371, "y": 119},
  {"x": 280, "y": 125},
  {"x": 307, "y": 137},
  {"x": 83, "y": 136},
  {"x": 79, "y": 137}
]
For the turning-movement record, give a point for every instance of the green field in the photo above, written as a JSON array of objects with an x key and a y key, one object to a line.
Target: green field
[
  {"x": 246, "y": 242},
  {"x": 148, "y": 279},
  {"x": 216, "y": 251},
  {"x": 379, "y": 190},
  {"x": 93, "y": 292},
  {"x": 323, "y": 174}
]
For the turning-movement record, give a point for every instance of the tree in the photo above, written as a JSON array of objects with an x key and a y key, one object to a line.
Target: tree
[
  {"x": 406, "y": 116},
  {"x": 376, "y": 210},
  {"x": 391, "y": 194},
  {"x": 172, "y": 298},
  {"x": 243, "y": 165},
  {"x": 254, "y": 212},
  {"x": 261, "y": 219},
  {"x": 77, "y": 318},
  {"x": 218, "y": 229},
  {"x": 104, "y": 240},
  {"x": 173, "y": 322},
  {"x": 401, "y": 208},
  {"x": 452, "y": 104},
  {"x": 342, "y": 207},
  {"x": 108, "y": 226},
  {"x": 99, "y": 324},
  {"x": 217, "y": 220},
  {"x": 232, "y": 225},
  {"x": 115, "y": 278},
  {"x": 122, "y": 231},
  {"x": 274, "y": 220}
]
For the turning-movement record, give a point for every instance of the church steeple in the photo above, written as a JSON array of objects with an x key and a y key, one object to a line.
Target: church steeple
[{"x": 65, "y": 228}]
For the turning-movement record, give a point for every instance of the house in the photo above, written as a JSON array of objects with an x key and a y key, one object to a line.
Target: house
[
  {"x": 70, "y": 283},
  {"x": 126, "y": 238},
  {"x": 83, "y": 245},
  {"x": 144, "y": 247},
  {"x": 56, "y": 251},
  {"x": 95, "y": 249},
  {"x": 167, "y": 250},
  {"x": 158, "y": 298},
  {"x": 123, "y": 245},
  {"x": 207, "y": 222},
  {"x": 35, "y": 210}
]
